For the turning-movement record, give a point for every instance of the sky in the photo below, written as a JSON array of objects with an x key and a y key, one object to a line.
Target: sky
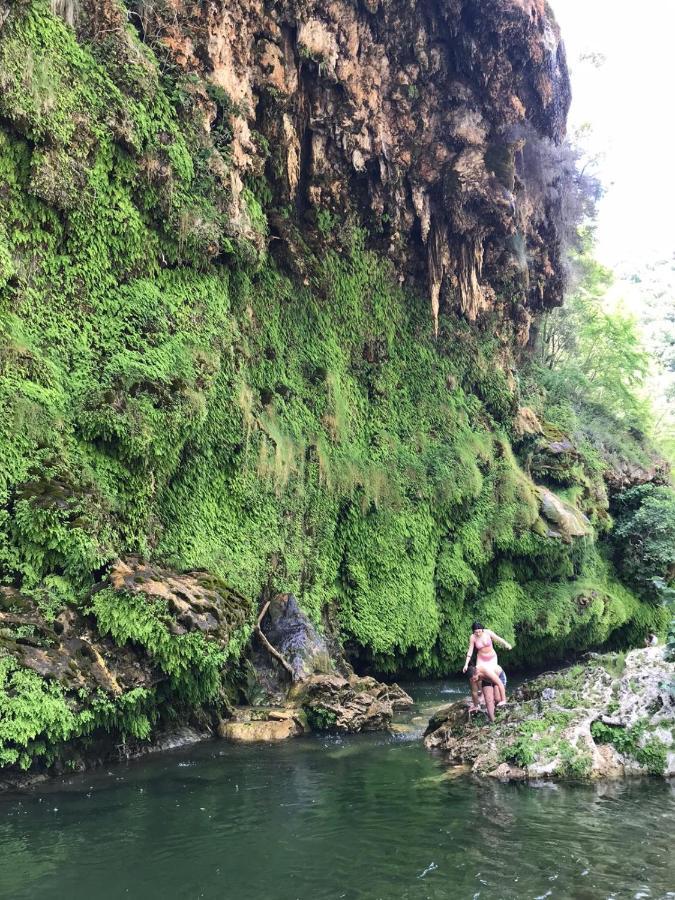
[{"x": 629, "y": 101}]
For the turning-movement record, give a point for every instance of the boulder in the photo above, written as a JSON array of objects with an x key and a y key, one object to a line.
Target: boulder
[
  {"x": 562, "y": 519},
  {"x": 251, "y": 726},
  {"x": 335, "y": 703},
  {"x": 293, "y": 635}
]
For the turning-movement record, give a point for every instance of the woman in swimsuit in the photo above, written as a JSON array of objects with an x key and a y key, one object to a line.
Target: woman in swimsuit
[{"x": 487, "y": 665}]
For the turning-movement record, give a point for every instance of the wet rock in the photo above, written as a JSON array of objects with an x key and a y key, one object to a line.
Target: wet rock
[
  {"x": 335, "y": 703},
  {"x": 250, "y": 726},
  {"x": 591, "y": 721},
  {"x": 563, "y": 520},
  {"x": 291, "y": 632}
]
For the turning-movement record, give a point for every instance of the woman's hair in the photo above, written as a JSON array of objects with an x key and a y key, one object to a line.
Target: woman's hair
[
  {"x": 477, "y": 626},
  {"x": 471, "y": 671}
]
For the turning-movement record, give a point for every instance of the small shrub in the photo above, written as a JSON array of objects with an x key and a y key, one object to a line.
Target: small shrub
[{"x": 319, "y": 718}]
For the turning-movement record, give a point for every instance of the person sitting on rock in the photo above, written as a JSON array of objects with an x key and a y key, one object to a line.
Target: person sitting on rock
[{"x": 486, "y": 658}]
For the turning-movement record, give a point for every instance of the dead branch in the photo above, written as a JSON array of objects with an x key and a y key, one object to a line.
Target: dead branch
[{"x": 271, "y": 650}]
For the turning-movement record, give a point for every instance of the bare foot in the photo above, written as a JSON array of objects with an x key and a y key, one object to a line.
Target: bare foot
[{"x": 502, "y": 703}]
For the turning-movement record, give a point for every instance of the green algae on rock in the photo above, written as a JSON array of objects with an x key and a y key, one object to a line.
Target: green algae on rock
[{"x": 608, "y": 717}]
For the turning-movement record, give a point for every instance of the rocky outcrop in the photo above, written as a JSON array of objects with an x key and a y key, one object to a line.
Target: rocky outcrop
[
  {"x": 609, "y": 718},
  {"x": 259, "y": 725},
  {"x": 309, "y": 692},
  {"x": 334, "y": 703},
  {"x": 562, "y": 520},
  {"x": 195, "y": 601},
  {"x": 319, "y": 703},
  {"x": 69, "y": 650},
  {"x": 437, "y": 124},
  {"x": 623, "y": 474},
  {"x": 118, "y": 675}
]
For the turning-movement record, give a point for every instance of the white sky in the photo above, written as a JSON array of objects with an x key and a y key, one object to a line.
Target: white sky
[{"x": 630, "y": 103}]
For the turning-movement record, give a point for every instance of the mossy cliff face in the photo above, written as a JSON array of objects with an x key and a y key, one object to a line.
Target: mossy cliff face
[{"x": 263, "y": 275}]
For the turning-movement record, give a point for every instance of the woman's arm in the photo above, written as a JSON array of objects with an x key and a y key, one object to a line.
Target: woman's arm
[
  {"x": 469, "y": 654},
  {"x": 495, "y": 637}
]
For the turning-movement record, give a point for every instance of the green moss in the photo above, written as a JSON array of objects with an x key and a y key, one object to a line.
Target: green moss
[
  {"x": 576, "y": 764},
  {"x": 651, "y": 753},
  {"x": 37, "y": 718},
  {"x": 538, "y": 738},
  {"x": 319, "y": 718},
  {"x": 191, "y": 661}
]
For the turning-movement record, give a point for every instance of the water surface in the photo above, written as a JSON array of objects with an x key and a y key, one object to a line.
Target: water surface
[{"x": 362, "y": 817}]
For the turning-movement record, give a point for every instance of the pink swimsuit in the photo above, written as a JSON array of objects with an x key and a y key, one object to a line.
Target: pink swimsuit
[{"x": 484, "y": 646}]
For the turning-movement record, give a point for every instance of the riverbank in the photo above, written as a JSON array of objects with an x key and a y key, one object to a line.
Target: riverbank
[
  {"x": 611, "y": 716},
  {"x": 76, "y": 701}
]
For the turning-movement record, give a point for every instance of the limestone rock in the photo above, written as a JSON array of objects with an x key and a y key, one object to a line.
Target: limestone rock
[
  {"x": 71, "y": 651},
  {"x": 623, "y": 475},
  {"x": 196, "y": 601},
  {"x": 563, "y": 520},
  {"x": 526, "y": 422},
  {"x": 430, "y": 115},
  {"x": 249, "y": 726},
  {"x": 334, "y": 703}
]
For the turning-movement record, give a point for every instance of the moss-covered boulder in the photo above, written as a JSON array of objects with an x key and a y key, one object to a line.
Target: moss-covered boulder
[{"x": 609, "y": 717}]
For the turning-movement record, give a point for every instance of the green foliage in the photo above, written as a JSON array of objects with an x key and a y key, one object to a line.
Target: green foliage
[
  {"x": 538, "y": 737},
  {"x": 37, "y": 718},
  {"x": 168, "y": 391},
  {"x": 650, "y": 753},
  {"x": 593, "y": 359},
  {"x": 588, "y": 374},
  {"x": 192, "y": 662},
  {"x": 666, "y": 595},
  {"x": 30, "y": 708},
  {"x": 319, "y": 718},
  {"x": 644, "y": 536},
  {"x": 576, "y": 764}
]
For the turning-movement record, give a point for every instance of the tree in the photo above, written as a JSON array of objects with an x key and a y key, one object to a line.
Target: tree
[
  {"x": 644, "y": 537},
  {"x": 593, "y": 359}
]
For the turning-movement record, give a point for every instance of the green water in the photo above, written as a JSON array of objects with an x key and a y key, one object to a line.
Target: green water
[{"x": 369, "y": 816}]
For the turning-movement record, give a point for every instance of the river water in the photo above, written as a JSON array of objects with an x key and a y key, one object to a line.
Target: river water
[{"x": 362, "y": 817}]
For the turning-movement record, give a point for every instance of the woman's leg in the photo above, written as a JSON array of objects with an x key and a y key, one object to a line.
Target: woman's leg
[
  {"x": 473, "y": 685},
  {"x": 489, "y": 694},
  {"x": 492, "y": 676}
]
